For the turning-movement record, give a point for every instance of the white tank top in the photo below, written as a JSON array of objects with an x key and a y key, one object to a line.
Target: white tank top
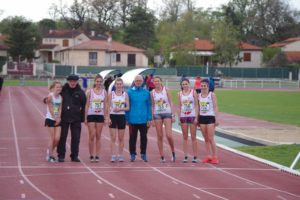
[
  {"x": 187, "y": 104},
  {"x": 96, "y": 106},
  {"x": 206, "y": 107},
  {"x": 161, "y": 102},
  {"x": 117, "y": 102},
  {"x": 56, "y": 102}
]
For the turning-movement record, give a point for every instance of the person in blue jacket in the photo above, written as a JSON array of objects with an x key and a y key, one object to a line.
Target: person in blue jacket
[{"x": 138, "y": 117}]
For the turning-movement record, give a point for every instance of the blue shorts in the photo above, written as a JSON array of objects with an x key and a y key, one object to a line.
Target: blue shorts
[{"x": 162, "y": 116}]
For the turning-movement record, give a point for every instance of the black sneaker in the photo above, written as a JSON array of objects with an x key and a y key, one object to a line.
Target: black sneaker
[
  {"x": 61, "y": 160},
  {"x": 92, "y": 159},
  {"x": 75, "y": 159}
]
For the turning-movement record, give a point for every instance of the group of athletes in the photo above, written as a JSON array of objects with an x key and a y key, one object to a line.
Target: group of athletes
[{"x": 68, "y": 106}]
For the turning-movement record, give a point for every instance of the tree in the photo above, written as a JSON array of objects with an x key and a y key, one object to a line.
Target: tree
[
  {"x": 45, "y": 25},
  {"x": 226, "y": 43},
  {"x": 269, "y": 53},
  {"x": 74, "y": 16},
  {"x": 140, "y": 30},
  {"x": 22, "y": 38}
]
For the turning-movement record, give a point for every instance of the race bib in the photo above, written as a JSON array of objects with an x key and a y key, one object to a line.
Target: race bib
[
  {"x": 118, "y": 104},
  {"x": 97, "y": 105},
  {"x": 187, "y": 107},
  {"x": 204, "y": 107},
  {"x": 56, "y": 109},
  {"x": 160, "y": 106}
]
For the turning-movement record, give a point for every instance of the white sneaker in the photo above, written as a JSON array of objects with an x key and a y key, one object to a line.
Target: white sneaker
[
  {"x": 162, "y": 159},
  {"x": 185, "y": 160},
  {"x": 113, "y": 158}
]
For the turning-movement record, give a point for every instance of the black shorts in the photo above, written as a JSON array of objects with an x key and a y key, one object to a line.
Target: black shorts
[
  {"x": 206, "y": 119},
  {"x": 95, "y": 118},
  {"x": 50, "y": 123},
  {"x": 117, "y": 121}
]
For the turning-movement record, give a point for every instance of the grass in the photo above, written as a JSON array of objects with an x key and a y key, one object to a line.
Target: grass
[
  {"x": 274, "y": 106},
  {"x": 281, "y": 154},
  {"x": 26, "y": 83}
]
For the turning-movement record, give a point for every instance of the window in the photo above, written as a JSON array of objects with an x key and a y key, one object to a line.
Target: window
[
  {"x": 118, "y": 59},
  {"x": 65, "y": 43},
  {"x": 131, "y": 59},
  {"x": 92, "y": 58},
  {"x": 247, "y": 57}
]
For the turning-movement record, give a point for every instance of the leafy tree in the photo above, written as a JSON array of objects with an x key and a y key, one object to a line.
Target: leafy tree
[
  {"x": 226, "y": 42},
  {"x": 269, "y": 53},
  {"x": 22, "y": 38},
  {"x": 45, "y": 25},
  {"x": 140, "y": 30}
]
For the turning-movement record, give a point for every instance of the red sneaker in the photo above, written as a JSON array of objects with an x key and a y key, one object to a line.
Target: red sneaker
[
  {"x": 215, "y": 160},
  {"x": 207, "y": 160}
]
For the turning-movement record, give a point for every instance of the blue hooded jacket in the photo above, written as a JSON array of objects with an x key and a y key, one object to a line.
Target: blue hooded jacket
[{"x": 140, "y": 106}]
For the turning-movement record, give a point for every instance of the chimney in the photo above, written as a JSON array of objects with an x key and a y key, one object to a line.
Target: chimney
[
  {"x": 93, "y": 33},
  {"x": 109, "y": 37},
  {"x": 196, "y": 38}
]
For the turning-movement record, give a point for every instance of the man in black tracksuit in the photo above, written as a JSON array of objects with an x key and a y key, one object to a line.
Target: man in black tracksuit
[{"x": 73, "y": 105}]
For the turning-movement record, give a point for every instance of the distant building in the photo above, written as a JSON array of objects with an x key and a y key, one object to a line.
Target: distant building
[
  {"x": 291, "y": 49},
  {"x": 77, "y": 48},
  {"x": 250, "y": 55}
]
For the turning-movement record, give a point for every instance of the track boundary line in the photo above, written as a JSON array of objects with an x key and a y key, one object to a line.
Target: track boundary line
[
  {"x": 18, "y": 150},
  {"x": 87, "y": 167}
]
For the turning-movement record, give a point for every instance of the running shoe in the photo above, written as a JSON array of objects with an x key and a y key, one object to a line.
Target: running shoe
[
  {"x": 195, "y": 159},
  {"x": 61, "y": 160},
  {"x": 120, "y": 158},
  {"x": 162, "y": 159},
  {"x": 207, "y": 160},
  {"x": 92, "y": 159},
  {"x": 132, "y": 157},
  {"x": 113, "y": 158},
  {"x": 97, "y": 159},
  {"x": 75, "y": 159},
  {"x": 215, "y": 160},
  {"x": 185, "y": 160},
  {"x": 51, "y": 159},
  {"x": 144, "y": 157}
]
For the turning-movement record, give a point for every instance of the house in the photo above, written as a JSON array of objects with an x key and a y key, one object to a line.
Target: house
[
  {"x": 80, "y": 49},
  {"x": 203, "y": 49},
  {"x": 290, "y": 48}
]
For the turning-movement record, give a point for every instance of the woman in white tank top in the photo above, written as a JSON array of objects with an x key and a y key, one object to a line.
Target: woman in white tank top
[
  {"x": 118, "y": 103},
  {"x": 54, "y": 103},
  {"x": 94, "y": 117},
  {"x": 208, "y": 120},
  {"x": 188, "y": 110},
  {"x": 162, "y": 115}
]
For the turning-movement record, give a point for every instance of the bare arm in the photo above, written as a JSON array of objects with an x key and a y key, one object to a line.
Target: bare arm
[
  {"x": 127, "y": 105},
  {"x": 50, "y": 107},
  {"x": 215, "y": 105},
  {"x": 87, "y": 104}
]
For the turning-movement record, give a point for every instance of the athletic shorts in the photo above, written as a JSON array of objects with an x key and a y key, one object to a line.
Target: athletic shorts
[
  {"x": 206, "y": 119},
  {"x": 95, "y": 118},
  {"x": 50, "y": 123},
  {"x": 117, "y": 121},
  {"x": 187, "y": 120},
  {"x": 162, "y": 116}
]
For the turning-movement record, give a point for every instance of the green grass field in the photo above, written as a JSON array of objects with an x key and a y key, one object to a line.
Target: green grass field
[
  {"x": 26, "y": 83},
  {"x": 274, "y": 106},
  {"x": 281, "y": 154}
]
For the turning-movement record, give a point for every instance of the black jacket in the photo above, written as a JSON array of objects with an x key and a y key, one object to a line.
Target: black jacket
[{"x": 73, "y": 104}]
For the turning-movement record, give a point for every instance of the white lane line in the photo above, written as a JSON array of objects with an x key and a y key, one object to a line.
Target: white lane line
[
  {"x": 186, "y": 184},
  {"x": 23, "y": 196},
  {"x": 111, "y": 195},
  {"x": 196, "y": 196},
  {"x": 85, "y": 165},
  {"x": 18, "y": 150},
  {"x": 21, "y": 182},
  {"x": 175, "y": 182},
  {"x": 250, "y": 183},
  {"x": 239, "y": 177},
  {"x": 280, "y": 197},
  {"x": 100, "y": 182}
]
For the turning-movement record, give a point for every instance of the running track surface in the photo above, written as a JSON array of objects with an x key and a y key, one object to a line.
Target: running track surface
[{"x": 25, "y": 174}]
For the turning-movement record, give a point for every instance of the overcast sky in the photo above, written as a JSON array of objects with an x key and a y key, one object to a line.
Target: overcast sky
[{"x": 36, "y": 10}]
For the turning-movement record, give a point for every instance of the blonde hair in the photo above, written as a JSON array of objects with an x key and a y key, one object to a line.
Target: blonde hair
[
  {"x": 53, "y": 84},
  {"x": 119, "y": 79}
]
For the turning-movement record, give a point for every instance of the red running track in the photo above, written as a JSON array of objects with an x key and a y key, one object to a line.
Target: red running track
[{"x": 25, "y": 174}]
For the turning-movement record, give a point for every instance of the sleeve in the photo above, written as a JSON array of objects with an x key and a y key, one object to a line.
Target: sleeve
[
  {"x": 127, "y": 112},
  {"x": 83, "y": 102}
]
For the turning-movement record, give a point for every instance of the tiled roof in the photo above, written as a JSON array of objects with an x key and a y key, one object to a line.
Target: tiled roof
[
  {"x": 62, "y": 34},
  {"x": 3, "y": 47},
  {"x": 293, "y": 56},
  {"x": 208, "y": 45},
  {"x": 47, "y": 46},
  {"x": 104, "y": 45},
  {"x": 285, "y": 42}
]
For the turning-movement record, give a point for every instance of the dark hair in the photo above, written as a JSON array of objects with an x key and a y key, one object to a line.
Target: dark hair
[
  {"x": 205, "y": 81},
  {"x": 97, "y": 76}
]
